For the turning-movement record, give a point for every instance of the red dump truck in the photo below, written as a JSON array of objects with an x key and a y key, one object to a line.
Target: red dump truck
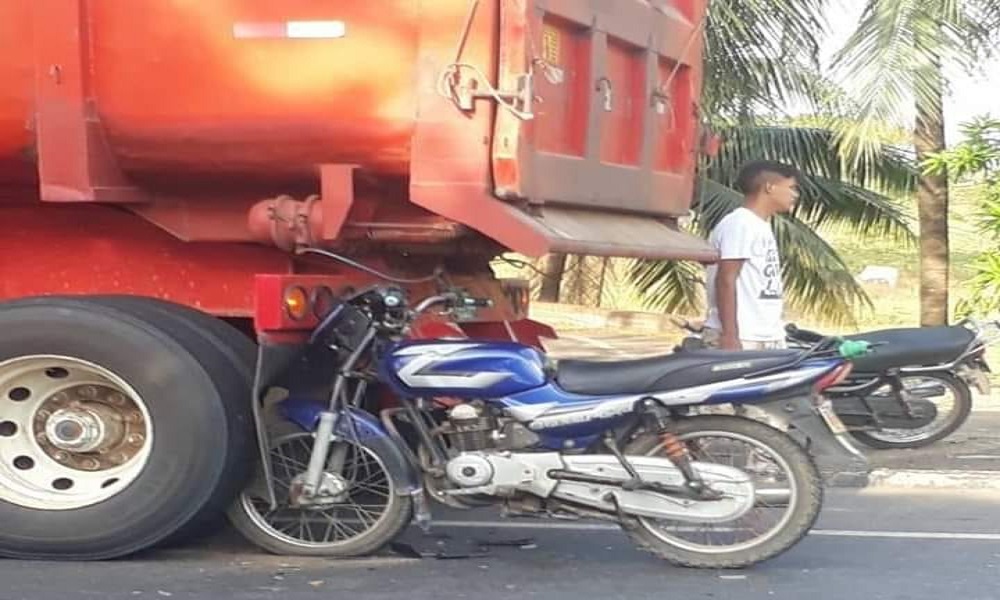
[{"x": 162, "y": 161}]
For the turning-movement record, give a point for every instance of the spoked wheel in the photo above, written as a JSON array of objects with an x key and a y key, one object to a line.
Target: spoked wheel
[
  {"x": 953, "y": 403},
  {"x": 363, "y": 513},
  {"x": 788, "y": 495}
]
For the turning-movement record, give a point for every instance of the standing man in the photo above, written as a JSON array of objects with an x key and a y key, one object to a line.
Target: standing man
[{"x": 745, "y": 296}]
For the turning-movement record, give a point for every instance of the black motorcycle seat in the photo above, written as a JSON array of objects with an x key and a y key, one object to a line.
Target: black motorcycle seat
[
  {"x": 664, "y": 373},
  {"x": 912, "y": 347}
]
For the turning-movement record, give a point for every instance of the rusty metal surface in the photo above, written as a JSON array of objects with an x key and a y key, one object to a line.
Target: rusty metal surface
[
  {"x": 87, "y": 249},
  {"x": 623, "y": 74}
]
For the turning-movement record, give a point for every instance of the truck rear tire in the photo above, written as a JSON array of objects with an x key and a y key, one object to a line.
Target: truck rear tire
[
  {"x": 233, "y": 358},
  {"x": 113, "y": 434}
]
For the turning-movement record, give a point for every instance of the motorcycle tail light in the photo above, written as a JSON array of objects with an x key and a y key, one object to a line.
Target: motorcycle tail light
[{"x": 834, "y": 377}]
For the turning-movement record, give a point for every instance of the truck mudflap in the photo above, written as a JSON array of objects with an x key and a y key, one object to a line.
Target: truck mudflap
[{"x": 599, "y": 233}]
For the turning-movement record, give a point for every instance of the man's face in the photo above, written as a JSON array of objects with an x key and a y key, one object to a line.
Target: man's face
[{"x": 783, "y": 193}]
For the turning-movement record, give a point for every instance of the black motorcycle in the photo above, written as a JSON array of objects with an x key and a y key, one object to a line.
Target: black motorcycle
[{"x": 914, "y": 389}]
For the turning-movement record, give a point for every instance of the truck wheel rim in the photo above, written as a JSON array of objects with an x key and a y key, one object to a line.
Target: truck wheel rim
[{"x": 72, "y": 433}]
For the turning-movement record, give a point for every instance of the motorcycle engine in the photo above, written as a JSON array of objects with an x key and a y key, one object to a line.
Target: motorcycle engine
[
  {"x": 475, "y": 435},
  {"x": 470, "y": 428}
]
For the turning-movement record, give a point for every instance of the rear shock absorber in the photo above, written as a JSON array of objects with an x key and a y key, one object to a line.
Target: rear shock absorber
[{"x": 678, "y": 454}]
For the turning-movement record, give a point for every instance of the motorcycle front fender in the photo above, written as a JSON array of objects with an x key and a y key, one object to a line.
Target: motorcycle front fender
[{"x": 370, "y": 434}]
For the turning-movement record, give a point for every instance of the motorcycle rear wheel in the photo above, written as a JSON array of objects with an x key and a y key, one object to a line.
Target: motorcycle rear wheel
[
  {"x": 942, "y": 427},
  {"x": 788, "y": 460}
]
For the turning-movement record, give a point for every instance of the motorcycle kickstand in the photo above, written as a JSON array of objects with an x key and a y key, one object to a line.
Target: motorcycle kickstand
[{"x": 626, "y": 522}]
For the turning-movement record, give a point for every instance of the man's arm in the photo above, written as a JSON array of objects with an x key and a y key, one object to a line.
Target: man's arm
[{"x": 725, "y": 291}]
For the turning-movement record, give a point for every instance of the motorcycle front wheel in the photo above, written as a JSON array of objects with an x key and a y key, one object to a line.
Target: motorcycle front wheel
[
  {"x": 788, "y": 487},
  {"x": 368, "y": 513}
]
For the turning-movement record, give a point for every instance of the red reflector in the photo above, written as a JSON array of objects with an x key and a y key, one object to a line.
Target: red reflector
[{"x": 834, "y": 377}]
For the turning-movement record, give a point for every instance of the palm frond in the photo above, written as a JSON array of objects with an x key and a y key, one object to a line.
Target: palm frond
[
  {"x": 893, "y": 61},
  {"x": 714, "y": 201},
  {"x": 669, "y": 286},
  {"x": 836, "y": 187},
  {"x": 760, "y": 53},
  {"x": 986, "y": 13},
  {"x": 817, "y": 282}
]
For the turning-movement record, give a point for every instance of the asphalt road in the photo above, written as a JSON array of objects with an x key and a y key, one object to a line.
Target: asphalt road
[{"x": 874, "y": 544}]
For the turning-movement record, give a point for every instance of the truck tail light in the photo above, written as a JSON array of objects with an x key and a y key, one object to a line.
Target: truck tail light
[
  {"x": 323, "y": 301},
  {"x": 296, "y": 303}
]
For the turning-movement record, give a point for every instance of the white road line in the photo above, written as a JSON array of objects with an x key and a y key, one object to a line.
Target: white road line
[
  {"x": 914, "y": 535},
  {"x": 910, "y": 535}
]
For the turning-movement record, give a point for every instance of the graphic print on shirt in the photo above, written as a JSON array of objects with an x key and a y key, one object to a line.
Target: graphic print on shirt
[{"x": 766, "y": 250}]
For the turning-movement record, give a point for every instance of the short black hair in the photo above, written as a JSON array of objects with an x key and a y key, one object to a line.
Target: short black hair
[{"x": 752, "y": 176}]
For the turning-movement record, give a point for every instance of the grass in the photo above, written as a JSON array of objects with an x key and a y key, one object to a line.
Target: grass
[{"x": 900, "y": 306}]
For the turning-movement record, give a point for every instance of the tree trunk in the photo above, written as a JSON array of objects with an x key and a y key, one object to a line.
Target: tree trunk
[
  {"x": 932, "y": 211},
  {"x": 605, "y": 261},
  {"x": 555, "y": 266}
]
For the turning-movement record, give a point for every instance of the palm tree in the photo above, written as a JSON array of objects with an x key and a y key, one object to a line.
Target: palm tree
[
  {"x": 760, "y": 56},
  {"x": 817, "y": 280},
  {"x": 896, "y": 59}
]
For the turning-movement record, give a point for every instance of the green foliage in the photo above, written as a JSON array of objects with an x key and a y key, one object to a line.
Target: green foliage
[
  {"x": 817, "y": 281},
  {"x": 760, "y": 55},
  {"x": 978, "y": 159},
  {"x": 892, "y": 62}
]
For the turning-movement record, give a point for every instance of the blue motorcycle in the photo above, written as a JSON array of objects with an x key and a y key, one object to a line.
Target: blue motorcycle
[{"x": 498, "y": 423}]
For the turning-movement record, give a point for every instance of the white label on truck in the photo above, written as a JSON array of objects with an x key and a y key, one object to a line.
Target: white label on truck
[
  {"x": 316, "y": 29},
  {"x": 312, "y": 30}
]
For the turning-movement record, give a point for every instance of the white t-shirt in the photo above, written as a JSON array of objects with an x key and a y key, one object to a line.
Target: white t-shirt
[{"x": 743, "y": 235}]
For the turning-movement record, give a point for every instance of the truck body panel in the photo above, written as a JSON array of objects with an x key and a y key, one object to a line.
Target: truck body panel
[{"x": 399, "y": 128}]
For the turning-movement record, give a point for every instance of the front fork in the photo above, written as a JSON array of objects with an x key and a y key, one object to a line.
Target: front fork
[{"x": 318, "y": 459}]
